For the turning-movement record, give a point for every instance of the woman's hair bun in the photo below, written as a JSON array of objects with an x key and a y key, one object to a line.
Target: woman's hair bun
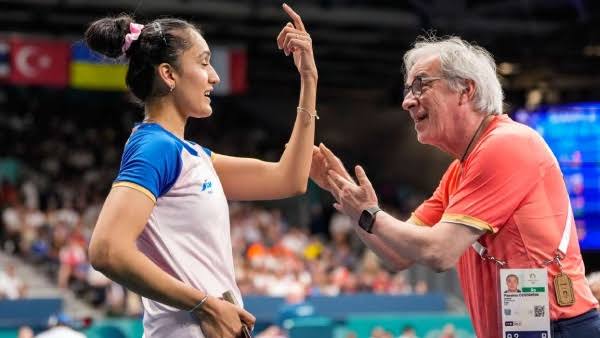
[{"x": 107, "y": 35}]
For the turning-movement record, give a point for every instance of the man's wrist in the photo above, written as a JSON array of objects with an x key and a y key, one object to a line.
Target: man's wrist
[{"x": 367, "y": 218}]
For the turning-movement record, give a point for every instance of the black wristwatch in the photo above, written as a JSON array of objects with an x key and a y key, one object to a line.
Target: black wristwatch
[{"x": 367, "y": 218}]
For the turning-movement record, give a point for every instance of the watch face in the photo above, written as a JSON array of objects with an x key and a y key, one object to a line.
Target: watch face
[{"x": 365, "y": 220}]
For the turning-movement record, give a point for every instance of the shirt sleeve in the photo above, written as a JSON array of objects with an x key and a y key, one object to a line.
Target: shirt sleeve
[
  {"x": 150, "y": 165},
  {"x": 209, "y": 153},
  {"x": 496, "y": 179},
  {"x": 431, "y": 210}
]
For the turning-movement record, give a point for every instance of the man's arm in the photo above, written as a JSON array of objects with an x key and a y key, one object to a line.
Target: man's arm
[
  {"x": 386, "y": 253},
  {"x": 438, "y": 247}
]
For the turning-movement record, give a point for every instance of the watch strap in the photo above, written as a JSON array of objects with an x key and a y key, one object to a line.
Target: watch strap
[{"x": 374, "y": 210}]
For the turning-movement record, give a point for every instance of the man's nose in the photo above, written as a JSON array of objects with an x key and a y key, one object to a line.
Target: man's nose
[{"x": 410, "y": 101}]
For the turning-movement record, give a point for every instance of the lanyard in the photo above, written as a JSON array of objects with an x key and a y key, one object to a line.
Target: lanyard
[{"x": 561, "y": 252}]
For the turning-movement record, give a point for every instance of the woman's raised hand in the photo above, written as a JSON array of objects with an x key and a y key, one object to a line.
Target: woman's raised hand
[{"x": 294, "y": 39}]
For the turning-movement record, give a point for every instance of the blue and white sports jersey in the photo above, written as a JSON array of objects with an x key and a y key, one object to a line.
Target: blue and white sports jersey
[{"x": 188, "y": 232}]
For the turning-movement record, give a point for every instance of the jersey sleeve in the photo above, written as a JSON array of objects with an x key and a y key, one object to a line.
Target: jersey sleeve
[
  {"x": 497, "y": 178},
  {"x": 209, "y": 152},
  {"x": 150, "y": 165},
  {"x": 431, "y": 210}
]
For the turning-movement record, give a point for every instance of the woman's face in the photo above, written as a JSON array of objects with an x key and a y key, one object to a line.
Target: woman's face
[{"x": 195, "y": 79}]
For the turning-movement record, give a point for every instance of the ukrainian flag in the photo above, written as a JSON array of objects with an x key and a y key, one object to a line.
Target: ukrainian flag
[{"x": 91, "y": 71}]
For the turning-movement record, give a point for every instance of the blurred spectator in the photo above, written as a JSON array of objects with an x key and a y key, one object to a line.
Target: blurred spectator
[
  {"x": 11, "y": 286},
  {"x": 295, "y": 306},
  {"x": 399, "y": 285},
  {"x": 273, "y": 331},
  {"x": 25, "y": 332},
  {"x": 115, "y": 299},
  {"x": 421, "y": 287},
  {"x": 13, "y": 218},
  {"x": 60, "y": 328},
  {"x": 8, "y": 192},
  {"x": 379, "y": 332},
  {"x": 72, "y": 257},
  {"x": 98, "y": 285},
  {"x": 133, "y": 304},
  {"x": 594, "y": 281},
  {"x": 448, "y": 331},
  {"x": 408, "y": 332},
  {"x": 339, "y": 225}
]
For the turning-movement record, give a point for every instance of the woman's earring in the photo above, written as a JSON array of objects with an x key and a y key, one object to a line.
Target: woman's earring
[{"x": 171, "y": 88}]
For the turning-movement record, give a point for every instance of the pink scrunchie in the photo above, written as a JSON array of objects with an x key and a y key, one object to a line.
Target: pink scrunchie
[{"x": 135, "y": 29}]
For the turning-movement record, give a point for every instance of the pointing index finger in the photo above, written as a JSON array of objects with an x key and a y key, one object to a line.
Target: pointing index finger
[{"x": 295, "y": 17}]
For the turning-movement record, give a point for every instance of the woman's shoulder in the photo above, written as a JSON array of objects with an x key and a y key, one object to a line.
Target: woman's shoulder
[
  {"x": 151, "y": 143},
  {"x": 151, "y": 136}
]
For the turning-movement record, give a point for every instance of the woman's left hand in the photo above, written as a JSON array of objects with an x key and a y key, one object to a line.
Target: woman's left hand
[{"x": 294, "y": 39}]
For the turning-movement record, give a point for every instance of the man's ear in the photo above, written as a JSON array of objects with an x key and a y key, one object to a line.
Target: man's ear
[
  {"x": 467, "y": 94},
  {"x": 167, "y": 75}
]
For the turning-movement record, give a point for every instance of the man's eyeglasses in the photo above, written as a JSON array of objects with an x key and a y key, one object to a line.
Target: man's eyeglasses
[{"x": 416, "y": 87}]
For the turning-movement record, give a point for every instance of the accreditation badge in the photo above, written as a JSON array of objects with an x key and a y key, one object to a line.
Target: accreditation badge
[{"x": 524, "y": 300}]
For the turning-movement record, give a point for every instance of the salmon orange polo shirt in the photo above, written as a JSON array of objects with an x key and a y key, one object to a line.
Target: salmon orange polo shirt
[{"x": 511, "y": 186}]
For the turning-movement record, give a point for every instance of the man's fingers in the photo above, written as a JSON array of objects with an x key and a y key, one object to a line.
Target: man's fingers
[
  {"x": 338, "y": 207},
  {"x": 295, "y": 17},
  {"x": 363, "y": 180},
  {"x": 335, "y": 190},
  {"x": 335, "y": 180},
  {"x": 339, "y": 179}
]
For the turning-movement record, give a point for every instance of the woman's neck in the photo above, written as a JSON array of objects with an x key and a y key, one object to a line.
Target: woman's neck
[{"x": 164, "y": 113}]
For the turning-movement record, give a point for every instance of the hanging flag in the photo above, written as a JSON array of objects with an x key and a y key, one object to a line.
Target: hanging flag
[
  {"x": 92, "y": 71},
  {"x": 4, "y": 61},
  {"x": 231, "y": 65},
  {"x": 39, "y": 62}
]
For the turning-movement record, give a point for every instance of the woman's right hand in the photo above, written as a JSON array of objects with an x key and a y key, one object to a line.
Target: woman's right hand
[{"x": 221, "y": 319}]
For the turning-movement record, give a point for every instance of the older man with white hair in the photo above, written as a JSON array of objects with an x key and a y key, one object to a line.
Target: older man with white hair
[{"x": 500, "y": 208}]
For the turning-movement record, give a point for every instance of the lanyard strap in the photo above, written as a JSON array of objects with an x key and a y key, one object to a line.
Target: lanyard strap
[{"x": 562, "y": 247}]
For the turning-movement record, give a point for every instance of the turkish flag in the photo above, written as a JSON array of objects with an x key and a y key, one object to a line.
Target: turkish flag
[{"x": 39, "y": 62}]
